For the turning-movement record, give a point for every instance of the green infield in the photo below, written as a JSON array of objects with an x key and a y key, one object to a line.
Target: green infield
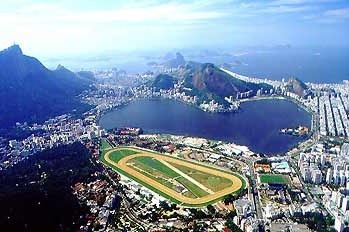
[
  {"x": 155, "y": 170},
  {"x": 274, "y": 179},
  {"x": 151, "y": 163},
  {"x": 215, "y": 183},
  {"x": 120, "y": 154}
]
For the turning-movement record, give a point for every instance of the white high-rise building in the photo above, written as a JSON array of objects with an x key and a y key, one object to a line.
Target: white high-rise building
[
  {"x": 323, "y": 160},
  {"x": 306, "y": 175},
  {"x": 301, "y": 159},
  {"x": 336, "y": 179},
  {"x": 334, "y": 197},
  {"x": 347, "y": 167},
  {"x": 339, "y": 201},
  {"x": 338, "y": 224},
  {"x": 338, "y": 167},
  {"x": 345, "y": 149},
  {"x": 316, "y": 176},
  {"x": 318, "y": 159},
  {"x": 329, "y": 176},
  {"x": 342, "y": 178},
  {"x": 345, "y": 204}
]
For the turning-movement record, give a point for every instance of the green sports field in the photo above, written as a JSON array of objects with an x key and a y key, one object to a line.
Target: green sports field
[{"x": 274, "y": 179}]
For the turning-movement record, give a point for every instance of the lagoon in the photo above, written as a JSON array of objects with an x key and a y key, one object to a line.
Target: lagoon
[{"x": 256, "y": 124}]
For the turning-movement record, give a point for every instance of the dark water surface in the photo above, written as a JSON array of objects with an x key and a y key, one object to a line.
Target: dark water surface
[{"x": 256, "y": 125}]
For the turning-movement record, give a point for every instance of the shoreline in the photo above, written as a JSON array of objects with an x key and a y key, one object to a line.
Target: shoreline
[
  {"x": 263, "y": 98},
  {"x": 309, "y": 111}
]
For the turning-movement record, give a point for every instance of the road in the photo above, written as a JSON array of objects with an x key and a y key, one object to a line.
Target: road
[{"x": 254, "y": 191}]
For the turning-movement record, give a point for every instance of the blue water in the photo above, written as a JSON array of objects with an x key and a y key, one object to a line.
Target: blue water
[
  {"x": 256, "y": 125},
  {"x": 317, "y": 65}
]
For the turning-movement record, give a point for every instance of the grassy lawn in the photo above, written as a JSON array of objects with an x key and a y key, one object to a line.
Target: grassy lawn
[
  {"x": 119, "y": 154},
  {"x": 192, "y": 187},
  {"x": 154, "y": 169},
  {"x": 146, "y": 161},
  {"x": 189, "y": 194},
  {"x": 213, "y": 182},
  {"x": 274, "y": 179},
  {"x": 105, "y": 145},
  {"x": 156, "y": 176}
]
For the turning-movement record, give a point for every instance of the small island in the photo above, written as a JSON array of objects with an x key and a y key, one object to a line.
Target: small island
[{"x": 298, "y": 131}]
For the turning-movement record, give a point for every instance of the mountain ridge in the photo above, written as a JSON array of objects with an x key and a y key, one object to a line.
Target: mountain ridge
[{"x": 31, "y": 92}]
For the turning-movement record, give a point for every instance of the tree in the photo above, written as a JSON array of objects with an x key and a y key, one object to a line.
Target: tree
[
  {"x": 211, "y": 209},
  {"x": 232, "y": 214},
  {"x": 229, "y": 199},
  {"x": 232, "y": 226},
  {"x": 164, "y": 205}
]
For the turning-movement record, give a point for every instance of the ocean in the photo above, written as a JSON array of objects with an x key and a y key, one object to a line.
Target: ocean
[{"x": 316, "y": 65}]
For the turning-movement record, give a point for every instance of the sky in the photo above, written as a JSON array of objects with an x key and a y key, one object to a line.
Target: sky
[{"x": 67, "y": 27}]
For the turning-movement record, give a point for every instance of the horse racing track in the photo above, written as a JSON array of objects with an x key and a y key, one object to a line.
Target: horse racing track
[{"x": 179, "y": 180}]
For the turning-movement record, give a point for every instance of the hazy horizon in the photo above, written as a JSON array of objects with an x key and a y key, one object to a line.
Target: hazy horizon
[{"x": 63, "y": 28}]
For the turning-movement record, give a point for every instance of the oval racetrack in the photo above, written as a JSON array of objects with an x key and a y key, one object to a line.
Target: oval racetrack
[{"x": 122, "y": 164}]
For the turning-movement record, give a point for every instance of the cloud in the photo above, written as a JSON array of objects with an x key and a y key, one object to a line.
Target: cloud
[
  {"x": 285, "y": 9},
  {"x": 310, "y": 17},
  {"x": 329, "y": 16},
  {"x": 50, "y": 12},
  {"x": 299, "y": 2},
  {"x": 167, "y": 12},
  {"x": 342, "y": 13},
  {"x": 277, "y": 7},
  {"x": 63, "y": 25},
  {"x": 125, "y": 25}
]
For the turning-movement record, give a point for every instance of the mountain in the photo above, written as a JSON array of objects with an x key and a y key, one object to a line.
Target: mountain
[
  {"x": 168, "y": 56},
  {"x": 164, "y": 81},
  {"x": 175, "y": 62},
  {"x": 298, "y": 87},
  {"x": 87, "y": 75},
  {"x": 30, "y": 92},
  {"x": 209, "y": 82}
]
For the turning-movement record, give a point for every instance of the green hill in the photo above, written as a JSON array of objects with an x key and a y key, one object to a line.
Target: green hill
[
  {"x": 298, "y": 87},
  {"x": 164, "y": 81},
  {"x": 208, "y": 82}
]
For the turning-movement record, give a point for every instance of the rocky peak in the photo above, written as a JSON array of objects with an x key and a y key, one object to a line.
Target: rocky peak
[{"x": 14, "y": 50}]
